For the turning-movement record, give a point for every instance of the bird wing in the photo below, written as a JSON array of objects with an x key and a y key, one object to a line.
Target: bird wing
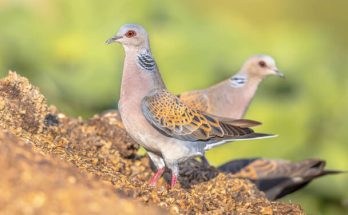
[
  {"x": 235, "y": 166},
  {"x": 258, "y": 168},
  {"x": 264, "y": 168},
  {"x": 174, "y": 118},
  {"x": 195, "y": 100}
]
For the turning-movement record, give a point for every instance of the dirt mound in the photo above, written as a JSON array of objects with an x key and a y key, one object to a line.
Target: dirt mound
[
  {"x": 31, "y": 183},
  {"x": 100, "y": 147}
]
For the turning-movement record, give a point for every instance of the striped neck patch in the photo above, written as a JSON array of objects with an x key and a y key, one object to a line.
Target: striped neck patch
[
  {"x": 145, "y": 61},
  {"x": 238, "y": 80}
]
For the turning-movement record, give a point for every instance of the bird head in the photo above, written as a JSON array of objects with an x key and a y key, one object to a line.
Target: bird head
[
  {"x": 130, "y": 36},
  {"x": 262, "y": 66}
]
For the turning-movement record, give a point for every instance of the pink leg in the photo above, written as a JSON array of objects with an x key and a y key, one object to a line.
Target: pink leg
[
  {"x": 173, "y": 182},
  {"x": 156, "y": 176}
]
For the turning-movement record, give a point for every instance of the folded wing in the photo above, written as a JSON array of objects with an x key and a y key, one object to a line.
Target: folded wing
[
  {"x": 195, "y": 100},
  {"x": 175, "y": 119}
]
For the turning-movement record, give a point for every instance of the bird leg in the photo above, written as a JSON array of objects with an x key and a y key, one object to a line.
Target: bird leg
[
  {"x": 205, "y": 161},
  {"x": 160, "y": 166},
  {"x": 173, "y": 166},
  {"x": 173, "y": 181},
  {"x": 156, "y": 176}
]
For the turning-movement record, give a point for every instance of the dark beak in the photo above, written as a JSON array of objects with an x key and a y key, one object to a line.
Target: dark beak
[
  {"x": 279, "y": 73},
  {"x": 113, "y": 39}
]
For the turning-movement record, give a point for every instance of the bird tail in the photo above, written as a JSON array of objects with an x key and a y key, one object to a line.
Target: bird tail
[
  {"x": 276, "y": 188},
  {"x": 251, "y": 136},
  {"x": 331, "y": 172},
  {"x": 254, "y": 136}
]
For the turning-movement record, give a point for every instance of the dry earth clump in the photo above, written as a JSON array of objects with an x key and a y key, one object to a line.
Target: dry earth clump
[
  {"x": 100, "y": 147},
  {"x": 32, "y": 183}
]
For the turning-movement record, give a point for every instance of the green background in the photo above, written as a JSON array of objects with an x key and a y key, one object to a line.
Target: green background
[{"x": 60, "y": 46}]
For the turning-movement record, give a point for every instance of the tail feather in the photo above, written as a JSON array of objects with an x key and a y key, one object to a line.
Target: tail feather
[
  {"x": 279, "y": 187},
  {"x": 251, "y": 136},
  {"x": 331, "y": 172},
  {"x": 254, "y": 136},
  {"x": 245, "y": 123}
]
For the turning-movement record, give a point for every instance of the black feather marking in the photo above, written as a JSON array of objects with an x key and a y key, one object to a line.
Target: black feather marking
[
  {"x": 146, "y": 62},
  {"x": 238, "y": 81}
]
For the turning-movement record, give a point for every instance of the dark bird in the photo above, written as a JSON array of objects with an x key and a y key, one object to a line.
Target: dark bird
[{"x": 277, "y": 178}]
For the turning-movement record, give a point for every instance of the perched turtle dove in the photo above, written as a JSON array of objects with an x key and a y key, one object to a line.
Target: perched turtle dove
[
  {"x": 231, "y": 98},
  {"x": 167, "y": 128}
]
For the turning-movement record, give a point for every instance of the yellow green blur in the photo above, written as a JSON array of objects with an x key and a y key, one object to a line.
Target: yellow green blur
[{"x": 60, "y": 46}]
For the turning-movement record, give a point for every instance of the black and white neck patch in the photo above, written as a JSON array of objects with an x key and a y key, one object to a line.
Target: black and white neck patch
[
  {"x": 145, "y": 61},
  {"x": 238, "y": 80}
]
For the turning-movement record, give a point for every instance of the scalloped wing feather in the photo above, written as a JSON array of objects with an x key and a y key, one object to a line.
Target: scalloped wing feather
[
  {"x": 263, "y": 168},
  {"x": 195, "y": 100},
  {"x": 174, "y": 118}
]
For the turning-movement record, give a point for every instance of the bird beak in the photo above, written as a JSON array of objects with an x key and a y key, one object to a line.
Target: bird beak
[
  {"x": 278, "y": 73},
  {"x": 113, "y": 39}
]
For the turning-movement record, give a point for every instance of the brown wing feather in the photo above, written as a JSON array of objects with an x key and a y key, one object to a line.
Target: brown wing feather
[
  {"x": 195, "y": 100},
  {"x": 173, "y": 117},
  {"x": 263, "y": 168},
  {"x": 199, "y": 101},
  {"x": 260, "y": 168}
]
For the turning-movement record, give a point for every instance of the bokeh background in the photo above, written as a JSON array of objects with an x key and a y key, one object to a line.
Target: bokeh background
[{"x": 59, "y": 45}]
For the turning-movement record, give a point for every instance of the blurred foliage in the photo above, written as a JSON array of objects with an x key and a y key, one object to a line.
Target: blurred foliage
[{"x": 60, "y": 46}]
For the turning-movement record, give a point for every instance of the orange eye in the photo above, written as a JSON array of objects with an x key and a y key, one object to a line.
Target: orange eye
[
  {"x": 130, "y": 34},
  {"x": 262, "y": 63}
]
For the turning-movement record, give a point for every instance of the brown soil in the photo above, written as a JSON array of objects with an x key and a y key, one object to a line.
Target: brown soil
[
  {"x": 51, "y": 162},
  {"x": 32, "y": 183}
]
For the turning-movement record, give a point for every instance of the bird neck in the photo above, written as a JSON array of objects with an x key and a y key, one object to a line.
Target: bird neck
[
  {"x": 248, "y": 90},
  {"x": 239, "y": 92},
  {"x": 244, "y": 80},
  {"x": 139, "y": 77}
]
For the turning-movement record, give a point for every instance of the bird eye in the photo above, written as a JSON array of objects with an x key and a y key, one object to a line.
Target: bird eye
[
  {"x": 130, "y": 33},
  {"x": 262, "y": 63}
]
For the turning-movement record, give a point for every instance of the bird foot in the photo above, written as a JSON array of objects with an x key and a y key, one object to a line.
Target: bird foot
[{"x": 156, "y": 176}]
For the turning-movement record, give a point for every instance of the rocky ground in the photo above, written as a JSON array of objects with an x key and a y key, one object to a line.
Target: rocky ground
[{"x": 53, "y": 163}]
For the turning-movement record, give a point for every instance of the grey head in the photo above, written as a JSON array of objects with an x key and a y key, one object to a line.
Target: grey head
[
  {"x": 131, "y": 36},
  {"x": 261, "y": 66}
]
